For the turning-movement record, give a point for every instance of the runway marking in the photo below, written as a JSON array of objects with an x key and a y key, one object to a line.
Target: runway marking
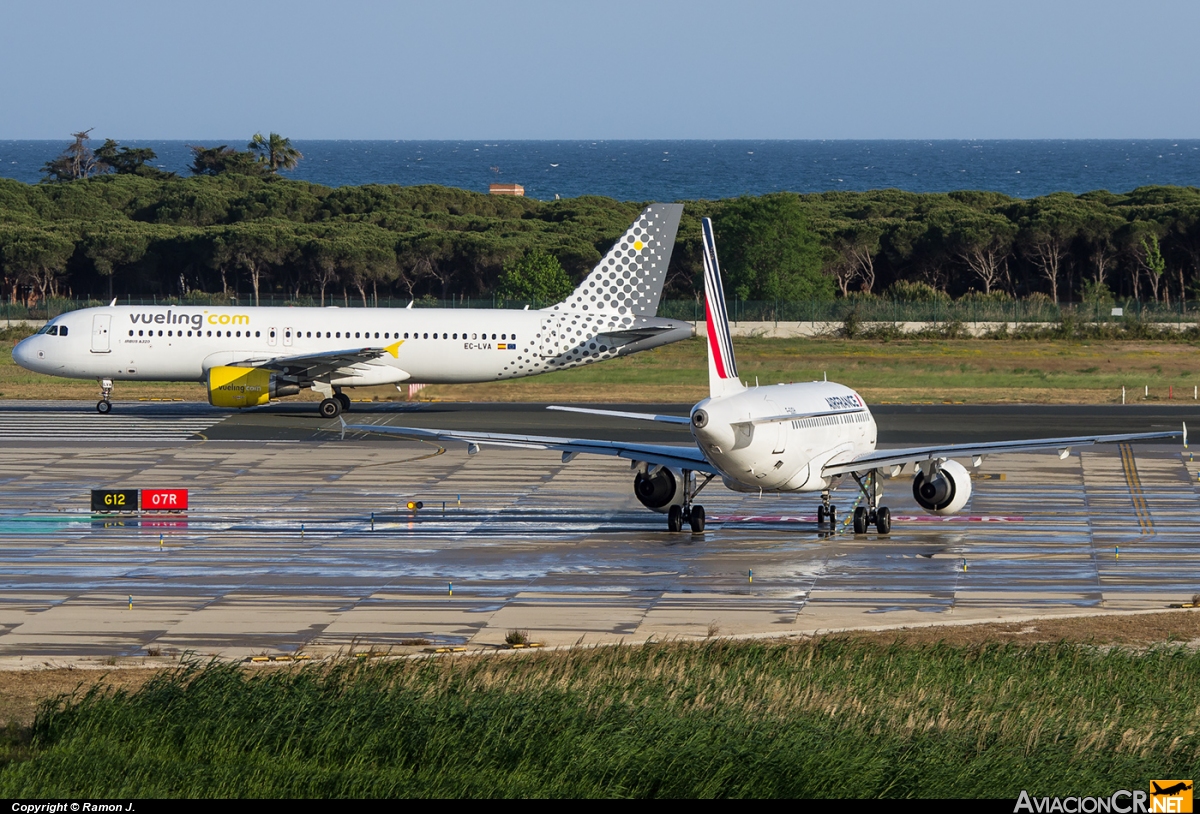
[
  {"x": 84, "y": 426},
  {"x": 907, "y": 518},
  {"x": 1129, "y": 465}
]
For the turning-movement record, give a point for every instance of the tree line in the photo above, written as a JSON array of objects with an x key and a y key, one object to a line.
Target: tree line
[{"x": 108, "y": 223}]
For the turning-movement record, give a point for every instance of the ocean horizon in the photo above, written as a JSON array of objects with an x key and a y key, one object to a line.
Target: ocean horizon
[{"x": 661, "y": 170}]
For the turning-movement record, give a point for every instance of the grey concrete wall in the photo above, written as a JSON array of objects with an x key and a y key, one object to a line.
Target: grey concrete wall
[{"x": 789, "y": 330}]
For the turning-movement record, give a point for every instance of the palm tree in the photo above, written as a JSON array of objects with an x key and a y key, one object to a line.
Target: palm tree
[{"x": 275, "y": 151}]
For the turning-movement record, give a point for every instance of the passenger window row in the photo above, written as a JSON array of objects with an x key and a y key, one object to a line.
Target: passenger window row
[{"x": 54, "y": 330}]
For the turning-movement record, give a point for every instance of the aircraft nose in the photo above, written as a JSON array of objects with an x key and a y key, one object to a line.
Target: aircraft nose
[{"x": 25, "y": 355}]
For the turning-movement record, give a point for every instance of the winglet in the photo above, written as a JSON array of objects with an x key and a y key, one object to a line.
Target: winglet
[
  {"x": 1185, "y": 435},
  {"x": 393, "y": 349},
  {"x": 722, "y": 366}
]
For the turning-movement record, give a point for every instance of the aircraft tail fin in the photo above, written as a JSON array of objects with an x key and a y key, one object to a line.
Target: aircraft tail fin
[
  {"x": 722, "y": 366},
  {"x": 628, "y": 282}
]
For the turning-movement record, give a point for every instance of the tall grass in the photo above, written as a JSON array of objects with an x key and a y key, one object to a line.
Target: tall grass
[{"x": 826, "y": 719}]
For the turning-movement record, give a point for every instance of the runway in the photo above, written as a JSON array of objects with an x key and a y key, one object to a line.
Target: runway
[
  {"x": 279, "y": 553},
  {"x": 298, "y": 421}
]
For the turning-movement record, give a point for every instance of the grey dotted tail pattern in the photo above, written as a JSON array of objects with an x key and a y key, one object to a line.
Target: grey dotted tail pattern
[{"x": 624, "y": 288}]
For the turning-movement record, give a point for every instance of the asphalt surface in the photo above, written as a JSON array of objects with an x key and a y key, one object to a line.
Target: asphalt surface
[
  {"x": 297, "y": 421},
  {"x": 297, "y": 540}
]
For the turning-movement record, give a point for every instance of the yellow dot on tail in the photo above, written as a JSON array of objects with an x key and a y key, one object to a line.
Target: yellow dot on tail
[{"x": 637, "y": 245}]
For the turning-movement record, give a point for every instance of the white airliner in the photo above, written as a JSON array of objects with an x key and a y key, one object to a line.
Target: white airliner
[
  {"x": 785, "y": 438},
  {"x": 248, "y": 356}
]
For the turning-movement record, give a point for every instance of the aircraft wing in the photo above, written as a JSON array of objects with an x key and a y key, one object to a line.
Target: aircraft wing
[
  {"x": 316, "y": 365},
  {"x": 682, "y": 457},
  {"x": 899, "y": 457}
]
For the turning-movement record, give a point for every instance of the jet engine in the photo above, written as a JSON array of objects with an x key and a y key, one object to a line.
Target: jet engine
[
  {"x": 944, "y": 491},
  {"x": 660, "y": 491},
  {"x": 240, "y": 387}
]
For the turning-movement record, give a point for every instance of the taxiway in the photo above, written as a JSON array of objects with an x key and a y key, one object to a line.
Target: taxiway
[{"x": 298, "y": 539}]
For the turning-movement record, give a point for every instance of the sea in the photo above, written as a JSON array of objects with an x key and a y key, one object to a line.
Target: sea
[{"x": 693, "y": 170}]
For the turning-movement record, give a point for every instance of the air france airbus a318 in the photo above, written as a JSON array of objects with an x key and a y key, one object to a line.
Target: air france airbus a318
[
  {"x": 805, "y": 437},
  {"x": 248, "y": 356}
]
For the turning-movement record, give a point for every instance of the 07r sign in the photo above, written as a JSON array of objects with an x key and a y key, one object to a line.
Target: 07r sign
[{"x": 164, "y": 500}]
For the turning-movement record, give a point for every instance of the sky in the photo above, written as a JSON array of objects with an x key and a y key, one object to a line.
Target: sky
[{"x": 754, "y": 69}]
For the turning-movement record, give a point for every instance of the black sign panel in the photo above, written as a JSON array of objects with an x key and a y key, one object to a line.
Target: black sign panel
[{"x": 114, "y": 500}]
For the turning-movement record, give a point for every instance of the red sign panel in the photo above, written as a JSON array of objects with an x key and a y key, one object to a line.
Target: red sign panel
[{"x": 164, "y": 500}]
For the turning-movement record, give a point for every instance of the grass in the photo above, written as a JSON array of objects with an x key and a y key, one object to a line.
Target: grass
[
  {"x": 825, "y": 718},
  {"x": 971, "y": 371}
]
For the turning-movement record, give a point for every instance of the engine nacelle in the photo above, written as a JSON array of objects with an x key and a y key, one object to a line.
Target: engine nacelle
[
  {"x": 945, "y": 492},
  {"x": 660, "y": 491},
  {"x": 240, "y": 387}
]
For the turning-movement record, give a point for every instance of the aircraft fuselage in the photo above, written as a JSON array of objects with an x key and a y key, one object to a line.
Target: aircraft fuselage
[
  {"x": 438, "y": 346},
  {"x": 784, "y": 456}
]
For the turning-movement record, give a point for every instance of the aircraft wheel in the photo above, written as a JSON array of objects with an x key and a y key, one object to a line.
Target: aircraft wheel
[
  {"x": 820, "y": 515},
  {"x": 104, "y": 407},
  {"x": 696, "y": 518},
  {"x": 330, "y": 408},
  {"x": 883, "y": 520},
  {"x": 860, "y": 520},
  {"x": 675, "y": 518},
  {"x": 832, "y": 516},
  {"x": 343, "y": 400}
]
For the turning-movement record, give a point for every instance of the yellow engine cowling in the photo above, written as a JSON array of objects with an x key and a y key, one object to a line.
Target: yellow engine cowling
[{"x": 240, "y": 387}]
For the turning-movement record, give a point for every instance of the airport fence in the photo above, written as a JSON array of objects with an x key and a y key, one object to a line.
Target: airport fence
[{"x": 860, "y": 310}]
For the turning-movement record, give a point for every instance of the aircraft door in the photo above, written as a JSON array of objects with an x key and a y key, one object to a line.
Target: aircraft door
[
  {"x": 272, "y": 336},
  {"x": 554, "y": 341},
  {"x": 287, "y": 337},
  {"x": 779, "y": 433},
  {"x": 781, "y": 437},
  {"x": 101, "y": 324}
]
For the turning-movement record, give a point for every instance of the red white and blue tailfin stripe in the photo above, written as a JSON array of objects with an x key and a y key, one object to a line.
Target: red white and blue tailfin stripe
[{"x": 722, "y": 367}]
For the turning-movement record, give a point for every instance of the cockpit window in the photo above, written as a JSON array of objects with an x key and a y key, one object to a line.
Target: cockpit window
[
  {"x": 62, "y": 330},
  {"x": 45, "y": 329}
]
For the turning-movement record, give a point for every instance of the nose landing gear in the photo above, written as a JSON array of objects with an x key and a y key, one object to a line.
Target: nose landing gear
[
  {"x": 104, "y": 405},
  {"x": 826, "y": 511}
]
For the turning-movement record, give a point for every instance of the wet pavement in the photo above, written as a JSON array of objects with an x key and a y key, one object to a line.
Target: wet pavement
[{"x": 308, "y": 545}]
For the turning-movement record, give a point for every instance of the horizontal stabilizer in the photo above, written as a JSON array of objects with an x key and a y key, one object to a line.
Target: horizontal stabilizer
[{"x": 663, "y": 419}]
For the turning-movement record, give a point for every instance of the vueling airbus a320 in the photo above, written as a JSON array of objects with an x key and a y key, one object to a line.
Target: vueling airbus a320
[{"x": 248, "y": 356}]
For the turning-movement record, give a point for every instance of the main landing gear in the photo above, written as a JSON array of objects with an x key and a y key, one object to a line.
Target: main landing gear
[
  {"x": 872, "y": 514},
  {"x": 104, "y": 405},
  {"x": 688, "y": 513},
  {"x": 335, "y": 405}
]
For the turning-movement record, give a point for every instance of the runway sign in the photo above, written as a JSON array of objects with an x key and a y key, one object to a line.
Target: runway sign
[
  {"x": 164, "y": 500},
  {"x": 114, "y": 500}
]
